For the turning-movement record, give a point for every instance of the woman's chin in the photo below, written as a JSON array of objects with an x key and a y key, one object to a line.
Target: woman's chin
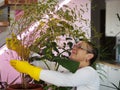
[{"x": 72, "y": 57}]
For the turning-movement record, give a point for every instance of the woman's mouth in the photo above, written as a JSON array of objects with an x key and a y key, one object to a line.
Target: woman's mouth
[{"x": 73, "y": 52}]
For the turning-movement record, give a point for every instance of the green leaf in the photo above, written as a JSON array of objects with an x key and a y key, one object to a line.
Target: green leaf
[
  {"x": 34, "y": 48},
  {"x": 70, "y": 44},
  {"x": 71, "y": 65}
]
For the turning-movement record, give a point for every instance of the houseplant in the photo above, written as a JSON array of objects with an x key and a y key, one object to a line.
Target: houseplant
[
  {"x": 49, "y": 26},
  {"x": 117, "y": 87}
]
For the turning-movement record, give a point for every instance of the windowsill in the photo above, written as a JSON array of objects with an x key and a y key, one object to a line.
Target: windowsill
[{"x": 110, "y": 63}]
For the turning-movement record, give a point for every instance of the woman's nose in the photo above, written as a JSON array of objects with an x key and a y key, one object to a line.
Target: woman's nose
[{"x": 74, "y": 46}]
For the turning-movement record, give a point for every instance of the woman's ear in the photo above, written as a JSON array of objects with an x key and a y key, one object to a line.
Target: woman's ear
[{"x": 89, "y": 56}]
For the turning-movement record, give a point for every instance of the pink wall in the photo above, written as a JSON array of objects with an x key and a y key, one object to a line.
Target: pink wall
[
  {"x": 8, "y": 74},
  {"x": 84, "y": 7}
]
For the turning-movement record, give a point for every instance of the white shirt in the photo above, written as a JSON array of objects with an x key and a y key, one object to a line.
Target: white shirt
[{"x": 83, "y": 79}]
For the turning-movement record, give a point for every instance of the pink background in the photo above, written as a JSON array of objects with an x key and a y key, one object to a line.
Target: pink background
[{"x": 8, "y": 74}]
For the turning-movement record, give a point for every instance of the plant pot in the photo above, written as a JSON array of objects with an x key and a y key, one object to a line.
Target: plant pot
[{"x": 29, "y": 87}]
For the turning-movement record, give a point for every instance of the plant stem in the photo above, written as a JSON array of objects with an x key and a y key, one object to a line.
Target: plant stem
[
  {"x": 46, "y": 65},
  {"x": 24, "y": 84}
]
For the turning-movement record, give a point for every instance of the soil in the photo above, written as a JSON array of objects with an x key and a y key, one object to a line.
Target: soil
[{"x": 29, "y": 87}]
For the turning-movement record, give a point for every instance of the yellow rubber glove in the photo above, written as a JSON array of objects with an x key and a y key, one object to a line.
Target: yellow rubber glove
[{"x": 25, "y": 67}]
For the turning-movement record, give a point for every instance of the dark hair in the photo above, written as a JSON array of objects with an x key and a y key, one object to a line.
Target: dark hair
[{"x": 94, "y": 51}]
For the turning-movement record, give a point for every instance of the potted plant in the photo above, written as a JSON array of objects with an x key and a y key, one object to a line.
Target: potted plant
[{"x": 48, "y": 25}]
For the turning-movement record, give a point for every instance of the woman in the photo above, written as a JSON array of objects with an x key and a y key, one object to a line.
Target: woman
[{"x": 85, "y": 78}]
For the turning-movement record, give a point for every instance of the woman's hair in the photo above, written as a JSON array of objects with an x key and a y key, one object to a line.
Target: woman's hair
[{"x": 93, "y": 50}]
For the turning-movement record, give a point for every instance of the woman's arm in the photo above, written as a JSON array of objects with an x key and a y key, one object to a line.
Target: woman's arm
[{"x": 82, "y": 76}]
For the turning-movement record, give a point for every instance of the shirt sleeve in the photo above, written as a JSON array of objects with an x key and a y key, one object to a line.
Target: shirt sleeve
[{"x": 80, "y": 77}]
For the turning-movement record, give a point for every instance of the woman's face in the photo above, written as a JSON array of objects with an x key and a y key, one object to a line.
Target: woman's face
[{"x": 79, "y": 51}]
